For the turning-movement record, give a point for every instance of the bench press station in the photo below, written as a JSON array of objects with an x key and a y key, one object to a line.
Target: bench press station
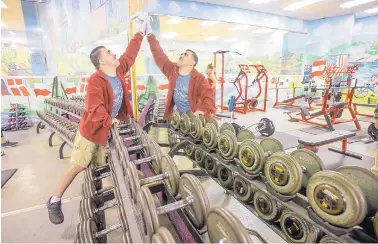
[
  {"x": 315, "y": 141},
  {"x": 331, "y": 113}
]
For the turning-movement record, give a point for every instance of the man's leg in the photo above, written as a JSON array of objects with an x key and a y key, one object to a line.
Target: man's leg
[
  {"x": 6, "y": 143},
  {"x": 81, "y": 156}
]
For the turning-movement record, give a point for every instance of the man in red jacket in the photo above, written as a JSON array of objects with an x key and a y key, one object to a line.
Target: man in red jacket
[
  {"x": 188, "y": 89},
  {"x": 106, "y": 103}
]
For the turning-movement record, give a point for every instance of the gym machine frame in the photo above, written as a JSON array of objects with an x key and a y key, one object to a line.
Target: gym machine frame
[
  {"x": 166, "y": 197},
  {"x": 293, "y": 203},
  {"x": 290, "y": 101},
  {"x": 325, "y": 110}
]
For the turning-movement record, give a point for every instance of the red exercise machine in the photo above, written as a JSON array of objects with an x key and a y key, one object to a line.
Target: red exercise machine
[
  {"x": 309, "y": 97},
  {"x": 332, "y": 114}
]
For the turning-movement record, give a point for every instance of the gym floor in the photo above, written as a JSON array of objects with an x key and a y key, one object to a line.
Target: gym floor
[{"x": 24, "y": 215}]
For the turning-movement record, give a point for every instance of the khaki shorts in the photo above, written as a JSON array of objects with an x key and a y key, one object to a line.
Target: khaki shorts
[{"x": 84, "y": 152}]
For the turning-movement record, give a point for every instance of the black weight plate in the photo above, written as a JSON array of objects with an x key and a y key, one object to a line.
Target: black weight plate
[
  {"x": 199, "y": 156},
  {"x": 211, "y": 166},
  {"x": 266, "y": 207},
  {"x": 266, "y": 127},
  {"x": 225, "y": 176},
  {"x": 243, "y": 189}
]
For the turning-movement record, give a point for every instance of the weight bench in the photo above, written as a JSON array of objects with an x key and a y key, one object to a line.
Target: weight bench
[
  {"x": 315, "y": 141},
  {"x": 363, "y": 105},
  {"x": 293, "y": 98}
]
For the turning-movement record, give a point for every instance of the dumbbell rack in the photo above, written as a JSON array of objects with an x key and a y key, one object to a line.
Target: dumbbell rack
[
  {"x": 297, "y": 204},
  {"x": 17, "y": 126},
  {"x": 132, "y": 216},
  {"x": 62, "y": 137}
]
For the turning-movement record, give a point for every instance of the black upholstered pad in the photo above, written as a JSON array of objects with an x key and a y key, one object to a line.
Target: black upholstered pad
[{"x": 326, "y": 138}]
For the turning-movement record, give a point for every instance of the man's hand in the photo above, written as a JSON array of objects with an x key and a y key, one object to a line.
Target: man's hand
[
  {"x": 115, "y": 122},
  {"x": 198, "y": 112},
  {"x": 148, "y": 20}
]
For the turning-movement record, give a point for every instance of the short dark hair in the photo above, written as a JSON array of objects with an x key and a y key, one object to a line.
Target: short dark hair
[
  {"x": 194, "y": 56},
  {"x": 95, "y": 56}
]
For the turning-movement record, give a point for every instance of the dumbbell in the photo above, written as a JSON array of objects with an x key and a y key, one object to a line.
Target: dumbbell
[
  {"x": 297, "y": 229},
  {"x": 89, "y": 209},
  {"x": 87, "y": 231},
  {"x": 93, "y": 174},
  {"x": 253, "y": 155},
  {"x": 170, "y": 174},
  {"x": 175, "y": 119},
  {"x": 373, "y": 132},
  {"x": 210, "y": 134},
  {"x": 224, "y": 227},
  {"x": 88, "y": 190},
  {"x": 194, "y": 203},
  {"x": 162, "y": 235},
  {"x": 196, "y": 126}
]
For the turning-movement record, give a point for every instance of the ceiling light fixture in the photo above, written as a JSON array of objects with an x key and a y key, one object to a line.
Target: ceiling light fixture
[
  {"x": 260, "y": 1},
  {"x": 104, "y": 41},
  {"x": 240, "y": 27},
  {"x": 209, "y": 23},
  {"x": 3, "y": 5},
  {"x": 174, "y": 21},
  {"x": 371, "y": 11},
  {"x": 168, "y": 35},
  {"x": 355, "y": 3},
  {"x": 211, "y": 38},
  {"x": 300, "y": 4}
]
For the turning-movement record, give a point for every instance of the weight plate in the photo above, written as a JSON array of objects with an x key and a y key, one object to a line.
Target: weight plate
[
  {"x": 296, "y": 229},
  {"x": 175, "y": 119},
  {"x": 283, "y": 173},
  {"x": 214, "y": 122},
  {"x": 328, "y": 239},
  {"x": 173, "y": 138},
  {"x": 151, "y": 207},
  {"x": 157, "y": 238},
  {"x": 86, "y": 232},
  {"x": 271, "y": 145},
  {"x": 185, "y": 124},
  {"x": 225, "y": 176},
  {"x": 189, "y": 150},
  {"x": 166, "y": 235},
  {"x": 144, "y": 217},
  {"x": 227, "y": 126},
  {"x": 196, "y": 212},
  {"x": 224, "y": 227},
  {"x": 245, "y": 134},
  {"x": 243, "y": 189},
  {"x": 199, "y": 156},
  {"x": 210, "y": 135},
  {"x": 266, "y": 127},
  {"x": 266, "y": 207},
  {"x": 236, "y": 127},
  {"x": 228, "y": 144},
  {"x": 169, "y": 166},
  {"x": 368, "y": 183},
  {"x": 133, "y": 181},
  {"x": 202, "y": 119},
  {"x": 196, "y": 127},
  {"x": 211, "y": 166},
  {"x": 375, "y": 224},
  {"x": 309, "y": 161},
  {"x": 129, "y": 184},
  {"x": 251, "y": 156},
  {"x": 155, "y": 151},
  {"x": 336, "y": 199}
]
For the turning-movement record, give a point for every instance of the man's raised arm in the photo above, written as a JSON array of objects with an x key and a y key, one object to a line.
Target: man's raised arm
[
  {"x": 128, "y": 57},
  {"x": 161, "y": 59}
]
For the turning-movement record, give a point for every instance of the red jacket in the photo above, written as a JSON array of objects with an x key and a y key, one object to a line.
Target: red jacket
[
  {"x": 96, "y": 120},
  {"x": 201, "y": 95}
]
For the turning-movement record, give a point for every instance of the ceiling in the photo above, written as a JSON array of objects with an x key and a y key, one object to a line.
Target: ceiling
[{"x": 322, "y": 9}]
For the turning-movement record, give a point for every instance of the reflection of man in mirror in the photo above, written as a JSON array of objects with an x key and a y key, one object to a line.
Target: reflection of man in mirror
[{"x": 188, "y": 89}]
